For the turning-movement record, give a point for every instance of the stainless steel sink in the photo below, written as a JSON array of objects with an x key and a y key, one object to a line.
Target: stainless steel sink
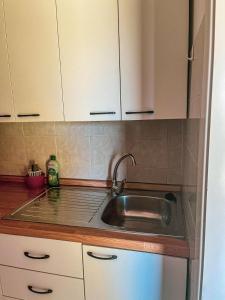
[
  {"x": 143, "y": 212},
  {"x": 146, "y": 214}
]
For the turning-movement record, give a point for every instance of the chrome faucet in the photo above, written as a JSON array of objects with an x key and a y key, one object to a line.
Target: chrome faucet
[{"x": 117, "y": 188}]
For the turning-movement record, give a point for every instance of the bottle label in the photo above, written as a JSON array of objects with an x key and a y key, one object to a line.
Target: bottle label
[{"x": 53, "y": 177}]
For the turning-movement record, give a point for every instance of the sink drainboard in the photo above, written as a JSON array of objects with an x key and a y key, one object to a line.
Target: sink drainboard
[{"x": 67, "y": 206}]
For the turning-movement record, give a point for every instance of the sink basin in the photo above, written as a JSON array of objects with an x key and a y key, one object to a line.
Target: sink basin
[{"x": 144, "y": 214}]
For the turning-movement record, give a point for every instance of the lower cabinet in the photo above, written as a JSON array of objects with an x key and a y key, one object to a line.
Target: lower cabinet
[
  {"x": 113, "y": 274},
  {"x": 33, "y": 268},
  {"x": 29, "y": 285}
]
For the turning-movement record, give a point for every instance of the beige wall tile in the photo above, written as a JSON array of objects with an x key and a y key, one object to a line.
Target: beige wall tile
[
  {"x": 11, "y": 129},
  {"x": 142, "y": 174},
  {"x": 39, "y": 149},
  {"x": 72, "y": 129},
  {"x": 175, "y": 152},
  {"x": 174, "y": 176},
  {"x": 155, "y": 129},
  {"x": 74, "y": 156},
  {"x": 190, "y": 178},
  {"x": 150, "y": 153},
  {"x": 174, "y": 127},
  {"x": 12, "y": 149},
  {"x": 7, "y": 168},
  {"x": 39, "y": 129},
  {"x": 105, "y": 150}
]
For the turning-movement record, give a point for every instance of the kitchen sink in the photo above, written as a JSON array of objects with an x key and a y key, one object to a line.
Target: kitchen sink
[{"x": 142, "y": 213}]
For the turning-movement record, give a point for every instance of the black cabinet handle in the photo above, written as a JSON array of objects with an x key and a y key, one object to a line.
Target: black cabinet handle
[
  {"x": 27, "y": 115},
  {"x": 102, "y": 257},
  {"x": 45, "y": 256},
  {"x": 5, "y": 116},
  {"x": 39, "y": 291},
  {"x": 139, "y": 112},
  {"x": 102, "y": 113}
]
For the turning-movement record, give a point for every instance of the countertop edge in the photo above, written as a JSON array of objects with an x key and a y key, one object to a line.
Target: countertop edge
[{"x": 96, "y": 237}]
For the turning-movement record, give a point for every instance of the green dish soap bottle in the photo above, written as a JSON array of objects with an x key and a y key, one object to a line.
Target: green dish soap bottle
[{"x": 53, "y": 172}]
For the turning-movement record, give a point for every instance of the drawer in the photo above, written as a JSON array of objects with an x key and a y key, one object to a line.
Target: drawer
[
  {"x": 44, "y": 255},
  {"x": 29, "y": 285}
]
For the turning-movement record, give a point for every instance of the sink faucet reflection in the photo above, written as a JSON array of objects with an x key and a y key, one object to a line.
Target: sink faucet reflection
[{"x": 117, "y": 188}]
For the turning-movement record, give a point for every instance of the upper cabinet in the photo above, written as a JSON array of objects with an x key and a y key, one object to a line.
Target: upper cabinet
[
  {"x": 6, "y": 101},
  {"x": 82, "y": 60},
  {"x": 199, "y": 9},
  {"x": 197, "y": 62},
  {"x": 89, "y": 48},
  {"x": 154, "y": 50},
  {"x": 31, "y": 28}
]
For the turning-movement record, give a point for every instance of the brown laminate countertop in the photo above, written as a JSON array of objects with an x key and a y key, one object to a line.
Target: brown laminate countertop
[{"x": 13, "y": 195}]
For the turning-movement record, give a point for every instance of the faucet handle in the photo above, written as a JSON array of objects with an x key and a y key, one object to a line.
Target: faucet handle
[
  {"x": 121, "y": 187},
  {"x": 118, "y": 189},
  {"x": 123, "y": 182}
]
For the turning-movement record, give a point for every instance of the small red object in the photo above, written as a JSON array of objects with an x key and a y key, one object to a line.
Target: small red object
[{"x": 35, "y": 182}]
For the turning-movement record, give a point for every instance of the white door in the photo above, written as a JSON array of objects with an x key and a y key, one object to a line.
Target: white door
[
  {"x": 6, "y": 101},
  {"x": 114, "y": 274},
  {"x": 153, "y": 49},
  {"x": 31, "y": 28},
  {"x": 89, "y": 48}
]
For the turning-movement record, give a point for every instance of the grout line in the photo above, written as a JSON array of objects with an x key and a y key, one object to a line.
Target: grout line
[
  {"x": 167, "y": 152},
  {"x": 182, "y": 150},
  {"x": 55, "y": 140},
  {"x": 192, "y": 156},
  {"x": 25, "y": 145}
]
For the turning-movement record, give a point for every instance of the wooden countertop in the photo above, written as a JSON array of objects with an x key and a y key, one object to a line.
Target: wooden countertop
[{"x": 13, "y": 195}]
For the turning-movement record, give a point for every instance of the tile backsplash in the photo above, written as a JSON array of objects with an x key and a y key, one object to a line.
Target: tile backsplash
[{"x": 89, "y": 150}]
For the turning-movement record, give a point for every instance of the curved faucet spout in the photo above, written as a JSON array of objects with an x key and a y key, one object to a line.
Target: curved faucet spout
[{"x": 118, "y": 188}]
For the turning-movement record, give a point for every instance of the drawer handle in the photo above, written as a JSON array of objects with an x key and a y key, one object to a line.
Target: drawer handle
[
  {"x": 27, "y": 115},
  {"x": 139, "y": 112},
  {"x": 102, "y": 257},
  {"x": 39, "y": 291},
  {"x": 5, "y": 116},
  {"x": 102, "y": 113},
  {"x": 45, "y": 256}
]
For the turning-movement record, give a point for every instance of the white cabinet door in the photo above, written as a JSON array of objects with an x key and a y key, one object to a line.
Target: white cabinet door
[
  {"x": 197, "y": 75},
  {"x": 57, "y": 257},
  {"x": 6, "y": 101},
  {"x": 114, "y": 274},
  {"x": 31, "y": 28},
  {"x": 154, "y": 49},
  {"x": 89, "y": 48},
  {"x": 199, "y": 12},
  {"x": 30, "y": 285}
]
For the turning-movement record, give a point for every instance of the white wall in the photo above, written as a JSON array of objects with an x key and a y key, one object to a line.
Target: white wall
[{"x": 214, "y": 247}]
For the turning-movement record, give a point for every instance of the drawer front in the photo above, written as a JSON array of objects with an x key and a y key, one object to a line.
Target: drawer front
[
  {"x": 29, "y": 285},
  {"x": 44, "y": 255}
]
